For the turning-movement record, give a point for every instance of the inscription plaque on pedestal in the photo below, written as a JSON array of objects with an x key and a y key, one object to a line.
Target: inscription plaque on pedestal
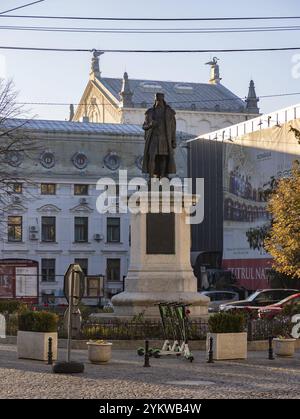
[{"x": 160, "y": 234}]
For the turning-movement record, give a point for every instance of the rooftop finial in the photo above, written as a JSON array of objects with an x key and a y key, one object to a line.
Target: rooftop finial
[
  {"x": 214, "y": 71},
  {"x": 252, "y": 99},
  {"x": 125, "y": 93},
  {"x": 95, "y": 68}
]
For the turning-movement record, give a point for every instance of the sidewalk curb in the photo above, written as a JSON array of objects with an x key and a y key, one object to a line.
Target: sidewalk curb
[{"x": 195, "y": 345}]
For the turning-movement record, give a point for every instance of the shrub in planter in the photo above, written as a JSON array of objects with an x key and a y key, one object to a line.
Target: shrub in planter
[
  {"x": 229, "y": 337},
  {"x": 226, "y": 323},
  {"x": 35, "y": 329},
  {"x": 38, "y": 321},
  {"x": 284, "y": 343}
]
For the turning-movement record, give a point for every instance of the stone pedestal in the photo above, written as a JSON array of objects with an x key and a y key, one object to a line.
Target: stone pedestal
[{"x": 160, "y": 268}]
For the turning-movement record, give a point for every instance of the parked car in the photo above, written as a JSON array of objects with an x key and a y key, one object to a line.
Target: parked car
[
  {"x": 260, "y": 298},
  {"x": 273, "y": 310},
  {"x": 219, "y": 297}
]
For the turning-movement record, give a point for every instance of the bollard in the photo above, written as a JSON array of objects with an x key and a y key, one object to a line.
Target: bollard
[
  {"x": 210, "y": 352},
  {"x": 147, "y": 358},
  {"x": 270, "y": 351},
  {"x": 50, "y": 353}
]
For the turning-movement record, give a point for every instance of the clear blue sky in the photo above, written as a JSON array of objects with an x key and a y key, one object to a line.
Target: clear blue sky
[{"x": 62, "y": 77}]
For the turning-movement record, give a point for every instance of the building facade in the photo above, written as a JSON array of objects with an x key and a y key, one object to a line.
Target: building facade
[
  {"x": 51, "y": 219},
  {"x": 200, "y": 107}
]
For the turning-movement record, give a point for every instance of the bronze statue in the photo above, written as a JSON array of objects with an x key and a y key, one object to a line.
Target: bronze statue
[{"x": 160, "y": 139}]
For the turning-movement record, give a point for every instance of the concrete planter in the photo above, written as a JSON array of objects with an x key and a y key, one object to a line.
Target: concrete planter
[
  {"x": 34, "y": 345},
  {"x": 284, "y": 347},
  {"x": 228, "y": 345},
  {"x": 99, "y": 353}
]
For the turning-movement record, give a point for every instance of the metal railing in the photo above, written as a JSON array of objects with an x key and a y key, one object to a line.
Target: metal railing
[
  {"x": 140, "y": 330},
  {"x": 262, "y": 329},
  {"x": 136, "y": 330}
]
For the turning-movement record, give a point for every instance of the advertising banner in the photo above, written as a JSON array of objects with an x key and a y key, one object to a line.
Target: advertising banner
[
  {"x": 26, "y": 281},
  {"x": 251, "y": 161},
  {"x": 19, "y": 279}
]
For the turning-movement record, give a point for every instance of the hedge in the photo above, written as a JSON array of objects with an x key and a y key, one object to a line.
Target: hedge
[{"x": 11, "y": 306}]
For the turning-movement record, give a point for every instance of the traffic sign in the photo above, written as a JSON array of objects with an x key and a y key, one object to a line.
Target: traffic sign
[{"x": 74, "y": 283}]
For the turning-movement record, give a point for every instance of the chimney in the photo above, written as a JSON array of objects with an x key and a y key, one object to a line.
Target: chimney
[{"x": 71, "y": 115}]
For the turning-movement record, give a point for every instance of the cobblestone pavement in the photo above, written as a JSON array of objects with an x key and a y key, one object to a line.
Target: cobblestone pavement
[{"x": 125, "y": 377}]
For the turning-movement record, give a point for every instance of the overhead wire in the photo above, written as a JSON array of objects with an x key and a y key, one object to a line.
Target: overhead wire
[
  {"x": 21, "y": 7},
  {"x": 153, "y": 30},
  {"x": 153, "y": 19},
  {"x": 153, "y": 51}
]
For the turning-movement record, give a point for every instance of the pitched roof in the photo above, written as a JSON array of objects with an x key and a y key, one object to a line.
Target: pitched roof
[
  {"x": 180, "y": 95},
  {"x": 74, "y": 127},
  {"x": 78, "y": 127}
]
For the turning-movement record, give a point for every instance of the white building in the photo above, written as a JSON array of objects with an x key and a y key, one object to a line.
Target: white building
[
  {"x": 200, "y": 107},
  {"x": 52, "y": 217}
]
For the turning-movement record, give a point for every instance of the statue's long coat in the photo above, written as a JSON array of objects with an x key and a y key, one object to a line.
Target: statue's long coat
[{"x": 171, "y": 137}]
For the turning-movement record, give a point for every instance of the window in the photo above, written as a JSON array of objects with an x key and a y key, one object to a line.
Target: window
[
  {"x": 16, "y": 187},
  {"x": 113, "y": 230},
  {"x": 81, "y": 189},
  {"x": 83, "y": 263},
  {"x": 81, "y": 229},
  {"x": 48, "y": 270},
  {"x": 113, "y": 269},
  {"x": 93, "y": 286},
  {"x": 14, "y": 225},
  {"x": 48, "y": 229},
  {"x": 48, "y": 188}
]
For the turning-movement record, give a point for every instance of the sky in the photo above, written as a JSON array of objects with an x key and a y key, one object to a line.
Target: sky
[{"x": 62, "y": 76}]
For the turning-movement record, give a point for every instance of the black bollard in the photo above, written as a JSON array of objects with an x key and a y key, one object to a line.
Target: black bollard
[
  {"x": 270, "y": 351},
  {"x": 147, "y": 357},
  {"x": 210, "y": 352},
  {"x": 50, "y": 353}
]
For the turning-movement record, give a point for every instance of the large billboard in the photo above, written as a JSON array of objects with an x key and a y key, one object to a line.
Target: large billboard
[{"x": 250, "y": 162}]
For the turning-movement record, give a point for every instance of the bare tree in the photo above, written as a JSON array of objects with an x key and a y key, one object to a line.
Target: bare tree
[{"x": 15, "y": 143}]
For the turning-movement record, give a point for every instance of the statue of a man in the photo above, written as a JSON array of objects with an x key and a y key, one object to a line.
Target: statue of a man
[{"x": 160, "y": 139}]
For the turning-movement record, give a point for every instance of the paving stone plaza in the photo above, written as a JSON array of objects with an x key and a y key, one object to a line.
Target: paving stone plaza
[{"x": 125, "y": 377}]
